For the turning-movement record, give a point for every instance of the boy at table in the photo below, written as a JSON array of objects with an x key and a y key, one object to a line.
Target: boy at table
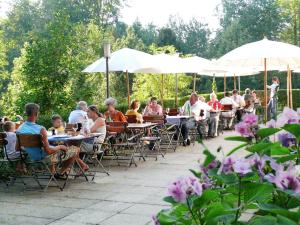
[
  {"x": 50, "y": 153},
  {"x": 57, "y": 124}
]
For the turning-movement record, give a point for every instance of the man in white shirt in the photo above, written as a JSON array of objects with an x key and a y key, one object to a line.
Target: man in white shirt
[
  {"x": 272, "y": 104},
  {"x": 198, "y": 110},
  {"x": 79, "y": 115},
  {"x": 229, "y": 115},
  {"x": 240, "y": 103}
]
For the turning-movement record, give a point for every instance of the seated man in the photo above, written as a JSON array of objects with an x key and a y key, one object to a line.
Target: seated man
[
  {"x": 79, "y": 114},
  {"x": 229, "y": 115},
  {"x": 153, "y": 108},
  {"x": 197, "y": 109},
  {"x": 133, "y": 111},
  {"x": 213, "y": 115},
  {"x": 57, "y": 125},
  {"x": 48, "y": 152},
  {"x": 113, "y": 115},
  {"x": 240, "y": 103}
]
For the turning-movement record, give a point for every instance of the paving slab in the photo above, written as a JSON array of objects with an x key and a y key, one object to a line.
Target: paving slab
[{"x": 129, "y": 196}]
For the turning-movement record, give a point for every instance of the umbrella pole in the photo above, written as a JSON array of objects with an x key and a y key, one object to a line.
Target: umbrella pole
[
  {"x": 234, "y": 82},
  {"x": 224, "y": 84},
  {"x": 128, "y": 88},
  {"x": 162, "y": 91},
  {"x": 288, "y": 86},
  {"x": 239, "y": 84},
  {"x": 107, "y": 79},
  {"x": 265, "y": 89},
  {"x": 176, "y": 86},
  {"x": 194, "y": 86},
  {"x": 291, "y": 90}
]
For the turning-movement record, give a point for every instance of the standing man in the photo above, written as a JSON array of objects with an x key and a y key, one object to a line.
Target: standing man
[{"x": 272, "y": 104}]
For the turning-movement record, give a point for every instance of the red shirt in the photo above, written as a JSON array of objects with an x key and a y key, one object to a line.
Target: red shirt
[{"x": 215, "y": 105}]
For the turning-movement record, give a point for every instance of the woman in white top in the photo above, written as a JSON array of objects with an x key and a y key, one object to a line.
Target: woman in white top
[{"x": 98, "y": 126}]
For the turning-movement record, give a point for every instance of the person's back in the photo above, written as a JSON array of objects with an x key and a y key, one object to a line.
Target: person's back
[
  {"x": 77, "y": 116},
  {"x": 32, "y": 128}
]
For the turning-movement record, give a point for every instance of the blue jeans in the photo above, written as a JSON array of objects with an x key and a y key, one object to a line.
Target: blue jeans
[{"x": 272, "y": 108}]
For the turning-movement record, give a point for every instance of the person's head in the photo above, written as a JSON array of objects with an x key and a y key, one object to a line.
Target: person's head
[
  {"x": 213, "y": 97},
  {"x": 81, "y": 105},
  {"x": 93, "y": 112},
  {"x": 135, "y": 105},
  {"x": 201, "y": 98},
  {"x": 227, "y": 94},
  {"x": 9, "y": 126},
  {"x": 153, "y": 102},
  {"x": 110, "y": 104},
  {"x": 56, "y": 121},
  {"x": 193, "y": 98},
  {"x": 247, "y": 91},
  {"x": 32, "y": 111},
  {"x": 275, "y": 80},
  {"x": 234, "y": 92}
]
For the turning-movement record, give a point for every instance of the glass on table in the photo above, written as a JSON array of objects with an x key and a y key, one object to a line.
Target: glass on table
[{"x": 167, "y": 111}]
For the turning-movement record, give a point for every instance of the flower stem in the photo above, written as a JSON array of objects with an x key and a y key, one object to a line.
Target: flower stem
[
  {"x": 191, "y": 211},
  {"x": 239, "y": 201}
]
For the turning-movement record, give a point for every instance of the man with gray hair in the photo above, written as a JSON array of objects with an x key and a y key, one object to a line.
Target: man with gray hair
[{"x": 79, "y": 114}]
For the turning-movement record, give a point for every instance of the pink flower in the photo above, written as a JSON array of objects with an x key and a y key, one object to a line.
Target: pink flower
[
  {"x": 227, "y": 164},
  {"x": 250, "y": 119},
  {"x": 258, "y": 162},
  {"x": 288, "y": 116},
  {"x": 244, "y": 129},
  {"x": 182, "y": 188},
  {"x": 155, "y": 220},
  {"x": 242, "y": 167},
  {"x": 271, "y": 124}
]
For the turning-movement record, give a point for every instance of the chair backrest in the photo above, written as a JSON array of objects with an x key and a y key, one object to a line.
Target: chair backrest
[
  {"x": 118, "y": 127},
  {"x": 154, "y": 119},
  {"x": 227, "y": 107},
  {"x": 131, "y": 119},
  {"x": 3, "y": 143},
  {"x": 69, "y": 127},
  {"x": 29, "y": 141},
  {"x": 173, "y": 112}
]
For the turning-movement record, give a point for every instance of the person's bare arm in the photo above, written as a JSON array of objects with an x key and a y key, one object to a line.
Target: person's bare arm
[
  {"x": 48, "y": 149},
  {"x": 98, "y": 123}
]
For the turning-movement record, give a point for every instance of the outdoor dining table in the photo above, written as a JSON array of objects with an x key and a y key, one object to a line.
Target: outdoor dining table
[
  {"x": 177, "y": 120},
  {"x": 72, "y": 140}
]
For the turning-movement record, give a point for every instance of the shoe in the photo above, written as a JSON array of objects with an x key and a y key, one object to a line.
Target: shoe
[
  {"x": 184, "y": 143},
  {"x": 188, "y": 141}
]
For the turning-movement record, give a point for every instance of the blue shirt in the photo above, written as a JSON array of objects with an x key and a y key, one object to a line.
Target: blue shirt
[{"x": 32, "y": 128}]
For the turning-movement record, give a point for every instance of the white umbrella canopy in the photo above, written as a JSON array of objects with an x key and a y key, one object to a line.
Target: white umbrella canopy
[
  {"x": 125, "y": 59},
  {"x": 194, "y": 64},
  {"x": 253, "y": 55}
]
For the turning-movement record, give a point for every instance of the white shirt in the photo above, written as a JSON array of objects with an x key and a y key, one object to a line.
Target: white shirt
[
  {"x": 239, "y": 100},
  {"x": 228, "y": 101},
  {"x": 196, "y": 109},
  {"x": 273, "y": 88},
  {"x": 77, "y": 116},
  {"x": 11, "y": 145}
]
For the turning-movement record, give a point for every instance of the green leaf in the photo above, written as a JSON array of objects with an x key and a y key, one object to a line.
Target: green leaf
[
  {"x": 266, "y": 132},
  {"x": 286, "y": 158},
  {"x": 209, "y": 158},
  {"x": 217, "y": 213},
  {"x": 176, "y": 215},
  {"x": 169, "y": 199},
  {"x": 281, "y": 220},
  {"x": 207, "y": 196},
  {"x": 237, "y": 148},
  {"x": 293, "y": 129},
  {"x": 281, "y": 211},
  {"x": 260, "y": 147},
  {"x": 277, "y": 149},
  {"x": 196, "y": 174},
  {"x": 237, "y": 138},
  {"x": 257, "y": 192},
  {"x": 263, "y": 220}
]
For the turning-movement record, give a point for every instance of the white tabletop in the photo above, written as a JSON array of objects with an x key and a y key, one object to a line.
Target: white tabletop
[
  {"x": 140, "y": 125},
  {"x": 179, "y": 117}
]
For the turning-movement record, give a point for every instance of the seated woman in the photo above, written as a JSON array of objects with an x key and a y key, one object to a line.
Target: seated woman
[
  {"x": 113, "y": 115},
  {"x": 57, "y": 125},
  {"x": 98, "y": 126},
  {"x": 249, "y": 101},
  {"x": 48, "y": 152},
  {"x": 133, "y": 111},
  {"x": 213, "y": 115},
  {"x": 153, "y": 108}
]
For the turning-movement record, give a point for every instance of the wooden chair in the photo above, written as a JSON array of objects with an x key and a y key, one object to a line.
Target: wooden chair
[
  {"x": 173, "y": 112},
  {"x": 40, "y": 169},
  {"x": 227, "y": 107},
  {"x": 155, "y": 119},
  {"x": 131, "y": 118}
]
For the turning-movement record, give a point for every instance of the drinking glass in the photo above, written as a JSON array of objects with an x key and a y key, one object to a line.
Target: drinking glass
[{"x": 167, "y": 111}]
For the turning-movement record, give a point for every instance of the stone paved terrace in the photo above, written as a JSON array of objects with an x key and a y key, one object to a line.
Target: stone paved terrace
[{"x": 130, "y": 196}]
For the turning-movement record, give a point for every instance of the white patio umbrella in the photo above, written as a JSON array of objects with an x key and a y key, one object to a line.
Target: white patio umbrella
[
  {"x": 264, "y": 55},
  {"x": 125, "y": 60}
]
